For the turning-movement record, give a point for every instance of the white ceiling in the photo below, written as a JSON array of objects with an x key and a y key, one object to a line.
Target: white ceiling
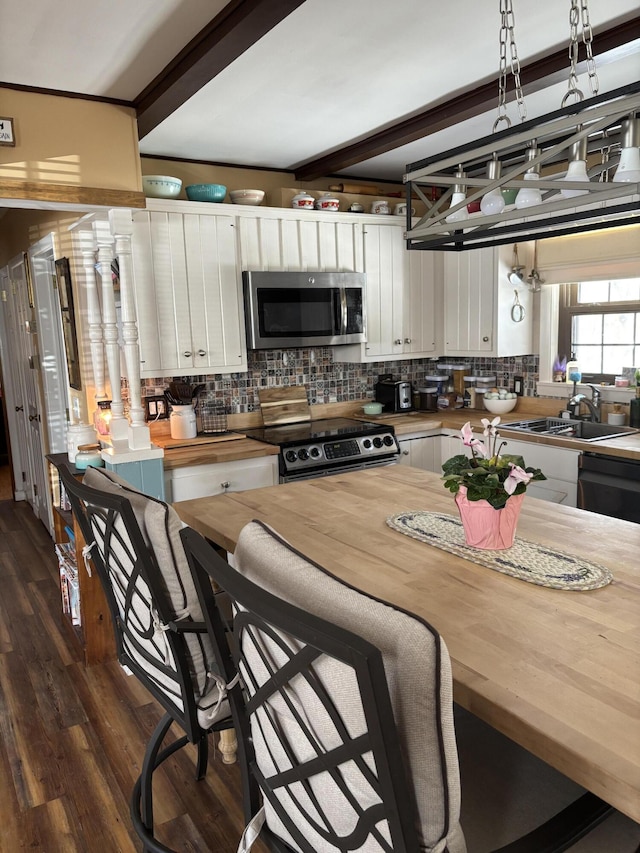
[{"x": 331, "y": 73}]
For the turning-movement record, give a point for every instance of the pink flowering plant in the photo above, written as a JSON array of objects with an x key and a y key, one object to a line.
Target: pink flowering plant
[{"x": 488, "y": 474}]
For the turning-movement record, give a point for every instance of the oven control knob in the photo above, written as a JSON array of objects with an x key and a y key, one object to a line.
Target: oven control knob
[
  {"x": 377, "y": 441},
  {"x": 303, "y": 454},
  {"x": 291, "y": 456},
  {"x": 366, "y": 443},
  {"x": 315, "y": 452},
  {"x": 388, "y": 440}
]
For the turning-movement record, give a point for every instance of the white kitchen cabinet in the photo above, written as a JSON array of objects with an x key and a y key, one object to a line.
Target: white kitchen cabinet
[
  {"x": 420, "y": 451},
  {"x": 559, "y": 466},
  {"x": 188, "y": 293},
  {"x": 199, "y": 481},
  {"x": 402, "y": 298},
  {"x": 480, "y": 314},
  {"x": 297, "y": 241}
]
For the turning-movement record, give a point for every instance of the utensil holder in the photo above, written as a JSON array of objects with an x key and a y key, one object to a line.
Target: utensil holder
[{"x": 213, "y": 418}]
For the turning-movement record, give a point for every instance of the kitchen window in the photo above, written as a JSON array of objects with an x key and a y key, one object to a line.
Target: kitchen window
[{"x": 599, "y": 321}]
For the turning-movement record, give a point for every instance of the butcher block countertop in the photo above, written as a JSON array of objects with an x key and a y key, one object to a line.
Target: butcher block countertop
[
  {"x": 207, "y": 449},
  {"x": 627, "y": 447}
]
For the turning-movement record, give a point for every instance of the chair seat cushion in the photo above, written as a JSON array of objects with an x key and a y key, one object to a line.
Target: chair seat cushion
[{"x": 160, "y": 526}]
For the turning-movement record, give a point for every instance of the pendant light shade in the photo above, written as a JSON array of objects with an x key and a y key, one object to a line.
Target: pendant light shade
[
  {"x": 577, "y": 169},
  {"x": 493, "y": 201},
  {"x": 459, "y": 195},
  {"x": 530, "y": 197},
  {"x": 629, "y": 167}
]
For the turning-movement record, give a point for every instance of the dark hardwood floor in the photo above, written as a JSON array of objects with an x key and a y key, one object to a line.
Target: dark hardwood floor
[{"x": 72, "y": 737}]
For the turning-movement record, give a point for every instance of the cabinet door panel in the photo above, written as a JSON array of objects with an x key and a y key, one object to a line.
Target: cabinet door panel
[
  {"x": 419, "y": 326},
  {"x": 214, "y": 293},
  {"x": 383, "y": 263},
  {"x": 469, "y": 301}
]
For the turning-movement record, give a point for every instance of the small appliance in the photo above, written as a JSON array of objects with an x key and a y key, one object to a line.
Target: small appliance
[
  {"x": 394, "y": 394},
  {"x": 304, "y": 309}
]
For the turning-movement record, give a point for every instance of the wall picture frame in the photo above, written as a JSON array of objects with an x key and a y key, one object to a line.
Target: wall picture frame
[{"x": 65, "y": 295}]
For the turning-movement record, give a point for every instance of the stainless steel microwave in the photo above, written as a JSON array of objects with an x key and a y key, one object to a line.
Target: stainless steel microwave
[{"x": 304, "y": 309}]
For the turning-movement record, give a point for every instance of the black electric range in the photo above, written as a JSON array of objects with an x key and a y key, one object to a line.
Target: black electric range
[{"x": 317, "y": 448}]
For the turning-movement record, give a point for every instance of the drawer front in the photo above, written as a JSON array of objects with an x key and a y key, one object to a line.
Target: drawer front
[{"x": 199, "y": 481}]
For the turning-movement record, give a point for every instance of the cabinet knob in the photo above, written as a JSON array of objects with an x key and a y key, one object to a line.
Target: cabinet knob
[
  {"x": 187, "y": 354},
  {"x": 19, "y": 408},
  {"x": 201, "y": 352},
  {"x": 405, "y": 452},
  {"x": 407, "y": 340},
  {"x": 486, "y": 338},
  {"x": 225, "y": 485},
  {"x": 398, "y": 342}
]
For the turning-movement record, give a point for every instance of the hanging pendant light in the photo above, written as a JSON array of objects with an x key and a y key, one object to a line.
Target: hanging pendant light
[
  {"x": 459, "y": 195},
  {"x": 577, "y": 170},
  {"x": 629, "y": 166},
  {"x": 530, "y": 196},
  {"x": 493, "y": 201},
  {"x": 543, "y": 206}
]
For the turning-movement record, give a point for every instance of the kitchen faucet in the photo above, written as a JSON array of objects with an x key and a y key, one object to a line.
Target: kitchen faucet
[{"x": 573, "y": 406}]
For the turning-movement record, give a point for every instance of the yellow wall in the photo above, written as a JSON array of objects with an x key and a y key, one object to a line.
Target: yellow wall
[{"x": 70, "y": 141}]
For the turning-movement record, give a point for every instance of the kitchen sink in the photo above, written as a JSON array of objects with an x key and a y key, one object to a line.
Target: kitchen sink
[{"x": 567, "y": 428}]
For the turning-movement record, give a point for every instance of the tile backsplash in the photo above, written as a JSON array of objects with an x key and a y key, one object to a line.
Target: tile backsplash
[{"x": 331, "y": 381}]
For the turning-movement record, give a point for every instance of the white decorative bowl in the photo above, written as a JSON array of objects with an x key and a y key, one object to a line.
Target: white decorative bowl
[
  {"x": 500, "y": 407},
  {"x": 161, "y": 186},
  {"x": 246, "y": 196}
]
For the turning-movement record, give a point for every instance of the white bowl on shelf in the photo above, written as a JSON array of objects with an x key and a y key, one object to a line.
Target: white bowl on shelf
[
  {"x": 246, "y": 196},
  {"x": 500, "y": 407},
  {"x": 161, "y": 186}
]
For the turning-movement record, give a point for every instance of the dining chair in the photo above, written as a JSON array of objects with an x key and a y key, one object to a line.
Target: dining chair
[
  {"x": 344, "y": 713},
  {"x": 133, "y": 542}
]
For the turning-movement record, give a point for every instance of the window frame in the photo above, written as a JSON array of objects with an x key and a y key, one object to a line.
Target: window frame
[{"x": 569, "y": 307}]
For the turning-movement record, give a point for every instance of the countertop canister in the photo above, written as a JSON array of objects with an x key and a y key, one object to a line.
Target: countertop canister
[{"x": 78, "y": 434}]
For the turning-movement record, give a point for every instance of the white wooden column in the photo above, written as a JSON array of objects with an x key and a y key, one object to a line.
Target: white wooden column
[
  {"x": 119, "y": 425},
  {"x": 121, "y": 224},
  {"x": 87, "y": 242}
]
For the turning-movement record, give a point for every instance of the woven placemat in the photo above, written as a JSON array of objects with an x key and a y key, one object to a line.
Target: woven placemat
[{"x": 525, "y": 560}]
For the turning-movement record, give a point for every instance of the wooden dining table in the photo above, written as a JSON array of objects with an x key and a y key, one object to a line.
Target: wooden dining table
[{"x": 557, "y": 671}]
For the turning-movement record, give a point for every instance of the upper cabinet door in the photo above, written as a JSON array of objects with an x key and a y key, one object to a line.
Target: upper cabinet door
[
  {"x": 403, "y": 298},
  {"x": 188, "y": 294},
  {"x": 484, "y": 313},
  {"x": 469, "y": 279},
  {"x": 298, "y": 242}
]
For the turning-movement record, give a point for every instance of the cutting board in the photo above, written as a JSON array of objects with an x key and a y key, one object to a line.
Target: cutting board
[
  {"x": 284, "y": 405},
  {"x": 169, "y": 443}
]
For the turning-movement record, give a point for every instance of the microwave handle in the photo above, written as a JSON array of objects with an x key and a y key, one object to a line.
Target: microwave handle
[{"x": 342, "y": 294}]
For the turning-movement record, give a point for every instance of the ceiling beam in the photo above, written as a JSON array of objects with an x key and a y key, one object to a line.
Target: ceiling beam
[
  {"x": 239, "y": 25},
  {"x": 609, "y": 45}
]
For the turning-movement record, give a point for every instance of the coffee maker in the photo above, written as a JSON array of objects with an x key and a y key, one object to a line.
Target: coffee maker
[{"x": 394, "y": 394}]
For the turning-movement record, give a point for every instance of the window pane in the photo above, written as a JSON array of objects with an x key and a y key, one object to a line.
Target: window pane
[
  {"x": 587, "y": 329},
  {"x": 637, "y": 338},
  {"x": 593, "y": 291},
  {"x": 614, "y": 358},
  {"x": 589, "y": 359},
  {"x": 626, "y": 289},
  {"x": 618, "y": 329}
]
